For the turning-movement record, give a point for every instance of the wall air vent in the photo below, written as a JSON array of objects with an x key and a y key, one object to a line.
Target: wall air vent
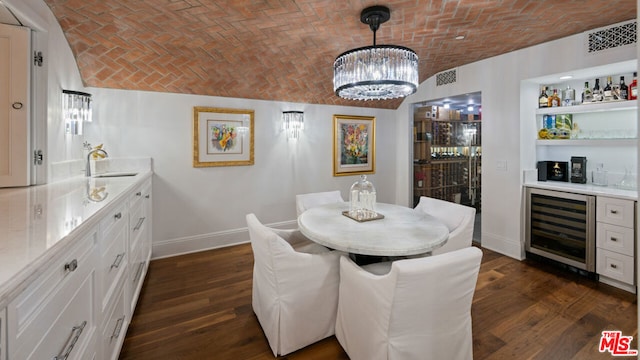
[
  {"x": 612, "y": 37},
  {"x": 446, "y": 77}
]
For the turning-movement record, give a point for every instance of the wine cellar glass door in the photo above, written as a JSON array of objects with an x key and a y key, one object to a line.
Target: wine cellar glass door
[{"x": 447, "y": 153}]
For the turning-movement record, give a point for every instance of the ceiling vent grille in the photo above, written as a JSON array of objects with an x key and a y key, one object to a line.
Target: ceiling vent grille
[
  {"x": 612, "y": 37},
  {"x": 446, "y": 77}
]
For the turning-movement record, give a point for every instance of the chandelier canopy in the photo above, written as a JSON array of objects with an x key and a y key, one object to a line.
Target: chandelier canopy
[{"x": 377, "y": 72}]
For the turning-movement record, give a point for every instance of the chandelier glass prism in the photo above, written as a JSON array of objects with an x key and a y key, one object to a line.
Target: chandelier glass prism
[{"x": 377, "y": 72}]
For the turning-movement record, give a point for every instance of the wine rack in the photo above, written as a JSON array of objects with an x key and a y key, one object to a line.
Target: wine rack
[{"x": 447, "y": 156}]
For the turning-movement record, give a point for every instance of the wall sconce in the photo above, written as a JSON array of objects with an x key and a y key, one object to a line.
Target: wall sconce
[
  {"x": 76, "y": 109},
  {"x": 293, "y": 123}
]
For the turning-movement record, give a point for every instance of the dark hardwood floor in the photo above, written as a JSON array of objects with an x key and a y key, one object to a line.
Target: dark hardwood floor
[{"x": 198, "y": 306}]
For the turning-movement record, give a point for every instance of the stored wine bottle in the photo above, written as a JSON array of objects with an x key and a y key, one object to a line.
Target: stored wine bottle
[
  {"x": 543, "y": 100},
  {"x": 607, "y": 95},
  {"x": 587, "y": 95},
  {"x": 633, "y": 87},
  {"x": 554, "y": 99},
  {"x": 624, "y": 89},
  {"x": 597, "y": 91}
]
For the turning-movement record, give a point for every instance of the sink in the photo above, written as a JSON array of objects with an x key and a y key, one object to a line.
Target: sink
[{"x": 115, "y": 174}]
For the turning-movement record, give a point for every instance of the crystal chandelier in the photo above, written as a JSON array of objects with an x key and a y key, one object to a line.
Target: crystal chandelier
[{"x": 377, "y": 72}]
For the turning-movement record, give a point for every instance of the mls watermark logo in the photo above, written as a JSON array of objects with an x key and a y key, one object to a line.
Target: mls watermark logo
[{"x": 617, "y": 344}]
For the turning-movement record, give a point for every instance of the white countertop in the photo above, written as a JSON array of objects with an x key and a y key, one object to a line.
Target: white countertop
[
  {"x": 38, "y": 221},
  {"x": 587, "y": 189},
  {"x": 402, "y": 231}
]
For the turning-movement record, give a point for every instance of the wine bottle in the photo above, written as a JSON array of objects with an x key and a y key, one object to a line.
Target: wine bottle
[
  {"x": 607, "y": 95},
  {"x": 633, "y": 87},
  {"x": 587, "y": 95},
  {"x": 543, "y": 100},
  {"x": 624, "y": 89},
  {"x": 554, "y": 99},
  {"x": 597, "y": 91}
]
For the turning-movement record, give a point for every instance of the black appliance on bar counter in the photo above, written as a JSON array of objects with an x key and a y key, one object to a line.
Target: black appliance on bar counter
[
  {"x": 579, "y": 169},
  {"x": 553, "y": 170}
]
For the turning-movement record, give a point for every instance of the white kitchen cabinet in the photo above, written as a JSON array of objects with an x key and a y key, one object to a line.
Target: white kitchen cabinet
[
  {"x": 139, "y": 240},
  {"x": 615, "y": 242},
  {"x": 77, "y": 302},
  {"x": 55, "y": 314}
]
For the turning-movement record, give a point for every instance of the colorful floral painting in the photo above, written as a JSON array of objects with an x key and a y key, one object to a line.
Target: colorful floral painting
[
  {"x": 223, "y": 137},
  {"x": 353, "y": 145}
]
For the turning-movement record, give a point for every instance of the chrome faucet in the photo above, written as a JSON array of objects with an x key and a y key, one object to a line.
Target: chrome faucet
[{"x": 88, "y": 169}]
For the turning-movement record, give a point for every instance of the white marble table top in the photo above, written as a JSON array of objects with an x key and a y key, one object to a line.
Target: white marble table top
[{"x": 403, "y": 231}]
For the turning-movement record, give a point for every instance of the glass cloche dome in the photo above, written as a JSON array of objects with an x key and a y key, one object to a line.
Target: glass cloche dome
[{"x": 362, "y": 199}]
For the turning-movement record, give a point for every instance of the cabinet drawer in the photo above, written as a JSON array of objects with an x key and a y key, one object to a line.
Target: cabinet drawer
[
  {"x": 137, "y": 225},
  {"x": 615, "y": 238},
  {"x": 114, "y": 221},
  {"x": 63, "y": 274},
  {"x": 71, "y": 331},
  {"x": 113, "y": 264},
  {"x": 615, "y": 211},
  {"x": 616, "y": 266},
  {"x": 115, "y": 327}
]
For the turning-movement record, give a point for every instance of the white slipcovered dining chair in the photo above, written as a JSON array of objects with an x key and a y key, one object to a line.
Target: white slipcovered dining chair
[
  {"x": 295, "y": 287},
  {"x": 420, "y": 309},
  {"x": 307, "y": 201},
  {"x": 460, "y": 220}
]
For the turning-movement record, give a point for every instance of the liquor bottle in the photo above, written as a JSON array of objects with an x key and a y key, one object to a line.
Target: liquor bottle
[
  {"x": 554, "y": 99},
  {"x": 607, "y": 95},
  {"x": 587, "y": 95},
  {"x": 633, "y": 87},
  {"x": 543, "y": 100},
  {"x": 624, "y": 89},
  {"x": 568, "y": 96},
  {"x": 597, "y": 91}
]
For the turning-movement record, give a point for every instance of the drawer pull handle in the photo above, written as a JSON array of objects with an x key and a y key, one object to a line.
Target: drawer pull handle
[
  {"x": 614, "y": 266},
  {"x": 139, "y": 193},
  {"x": 613, "y": 211},
  {"x": 118, "y": 216},
  {"x": 116, "y": 263},
  {"x": 71, "y": 265},
  {"x": 78, "y": 331},
  {"x": 138, "y": 272},
  {"x": 139, "y": 224},
  {"x": 118, "y": 328},
  {"x": 614, "y": 239},
  {"x": 147, "y": 196}
]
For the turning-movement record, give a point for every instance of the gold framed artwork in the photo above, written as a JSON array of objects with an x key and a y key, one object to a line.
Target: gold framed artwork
[
  {"x": 354, "y": 145},
  {"x": 222, "y": 137}
]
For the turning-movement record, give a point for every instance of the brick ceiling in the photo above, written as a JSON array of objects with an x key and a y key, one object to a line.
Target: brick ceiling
[{"x": 283, "y": 50}]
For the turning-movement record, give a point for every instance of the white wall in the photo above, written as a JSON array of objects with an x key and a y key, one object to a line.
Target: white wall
[
  {"x": 499, "y": 79},
  {"x": 196, "y": 208}
]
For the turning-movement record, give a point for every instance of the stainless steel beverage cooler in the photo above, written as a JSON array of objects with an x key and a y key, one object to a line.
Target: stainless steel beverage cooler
[{"x": 561, "y": 226}]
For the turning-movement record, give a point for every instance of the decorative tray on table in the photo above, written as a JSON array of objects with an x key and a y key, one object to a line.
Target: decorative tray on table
[{"x": 378, "y": 216}]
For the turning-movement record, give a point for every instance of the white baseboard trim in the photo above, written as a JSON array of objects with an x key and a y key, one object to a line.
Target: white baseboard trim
[{"x": 215, "y": 240}]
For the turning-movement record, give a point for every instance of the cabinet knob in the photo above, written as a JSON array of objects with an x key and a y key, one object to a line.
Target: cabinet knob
[
  {"x": 71, "y": 265},
  {"x": 614, "y": 266},
  {"x": 613, "y": 211},
  {"x": 118, "y": 216},
  {"x": 139, "y": 193}
]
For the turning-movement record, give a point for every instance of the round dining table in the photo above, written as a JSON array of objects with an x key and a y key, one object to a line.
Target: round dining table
[{"x": 401, "y": 231}]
